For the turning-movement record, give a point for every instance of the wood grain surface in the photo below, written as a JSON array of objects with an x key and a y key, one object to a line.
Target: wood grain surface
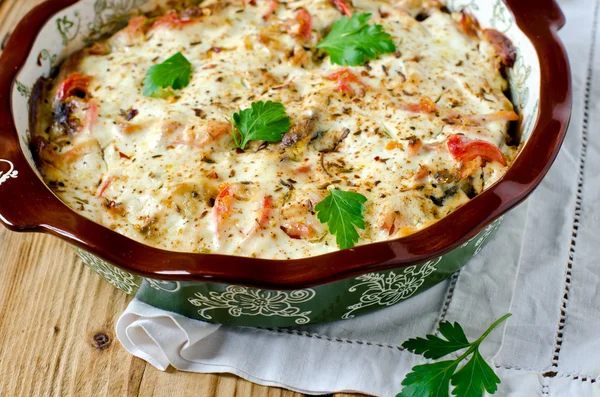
[{"x": 57, "y": 327}]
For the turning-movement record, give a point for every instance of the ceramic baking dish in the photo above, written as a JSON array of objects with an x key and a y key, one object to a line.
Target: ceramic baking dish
[{"x": 277, "y": 293}]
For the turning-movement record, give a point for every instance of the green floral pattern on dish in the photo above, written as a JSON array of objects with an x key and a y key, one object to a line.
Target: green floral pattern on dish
[
  {"x": 110, "y": 16},
  {"x": 68, "y": 28},
  {"x": 23, "y": 89},
  {"x": 124, "y": 281},
  {"x": 244, "y": 301},
  {"x": 248, "y": 306}
]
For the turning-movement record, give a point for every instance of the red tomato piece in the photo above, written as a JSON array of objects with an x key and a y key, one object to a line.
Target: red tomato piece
[
  {"x": 224, "y": 203},
  {"x": 342, "y": 7},
  {"x": 463, "y": 149},
  {"x": 306, "y": 24},
  {"x": 92, "y": 116},
  {"x": 266, "y": 212},
  {"x": 171, "y": 20},
  {"x": 426, "y": 105},
  {"x": 74, "y": 85},
  {"x": 344, "y": 80}
]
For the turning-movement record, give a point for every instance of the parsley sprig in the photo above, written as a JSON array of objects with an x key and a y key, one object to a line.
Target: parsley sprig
[
  {"x": 343, "y": 213},
  {"x": 352, "y": 41},
  {"x": 175, "y": 73},
  {"x": 434, "y": 379},
  {"x": 264, "y": 121}
]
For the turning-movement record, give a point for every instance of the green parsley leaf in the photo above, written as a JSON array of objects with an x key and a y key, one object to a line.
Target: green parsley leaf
[
  {"x": 429, "y": 380},
  {"x": 175, "y": 72},
  {"x": 434, "y": 379},
  {"x": 343, "y": 213},
  {"x": 474, "y": 377},
  {"x": 435, "y": 347},
  {"x": 352, "y": 41},
  {"x": 262, "y": 121}
]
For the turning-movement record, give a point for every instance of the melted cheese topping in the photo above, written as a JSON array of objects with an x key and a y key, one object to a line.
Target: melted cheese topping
[{"x": 166, "y": 172}]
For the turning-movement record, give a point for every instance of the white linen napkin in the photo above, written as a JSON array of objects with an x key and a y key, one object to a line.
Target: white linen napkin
[{"x": 542, "y": 266}]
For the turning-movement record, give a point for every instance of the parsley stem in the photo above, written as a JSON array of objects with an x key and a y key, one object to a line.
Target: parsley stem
[
  {"x": 491, "y": 328},
  {"x": 475, "y": 344}
]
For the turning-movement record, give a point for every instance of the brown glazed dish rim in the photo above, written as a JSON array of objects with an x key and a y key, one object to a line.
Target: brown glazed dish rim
[{"x": 27, "y": 204}]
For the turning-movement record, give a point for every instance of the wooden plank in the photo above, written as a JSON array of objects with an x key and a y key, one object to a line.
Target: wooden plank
[{"x": 57, "y": 321}]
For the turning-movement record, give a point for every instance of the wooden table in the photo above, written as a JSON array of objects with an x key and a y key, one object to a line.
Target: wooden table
[{"x": 57, "y": 328}]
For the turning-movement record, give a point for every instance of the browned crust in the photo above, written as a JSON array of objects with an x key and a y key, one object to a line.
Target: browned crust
[{"x": 503, "y": 46}]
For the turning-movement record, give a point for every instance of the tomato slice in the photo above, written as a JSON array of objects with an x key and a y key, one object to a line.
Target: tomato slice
[
  {"x": 306, "y": 23},
  {"x": 463, "y": 149},
  {"x": 342, "y": 7},
  {"x": 344, "y": 80},
  {"x": 74, "y": 85}
]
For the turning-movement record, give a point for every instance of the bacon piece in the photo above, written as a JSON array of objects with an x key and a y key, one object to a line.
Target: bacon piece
[
  {"x": 104, "y": 185},
  {"x": 99, "y": 48},
  {"x": 303, "y": 169},
  {"x": 421, "y": 174},
  {"x": 469, "y": 168},
  {"x": 80, "y": 150},
  {"x": 503, "y": 46},
  {"x": 273, "y": 4},
  {"x": 389, "y": 223},
  {"x": 414, "y": 146},
  {"x": 213, "y": 131},
  {"x": 343, "y": 7},
  {"x": 306, "y": 23},
  {"x": 74, "y": 85},
  {"x": 137, "y": 27},
  {"x": 45, "y": 152},
  {"x": 223, "y": 205},
  {"x": 172, "y": 20},
  {"x": 462, "y": 149},
  {"x": 344, "y": 80},
  {"x": 218, "y": 128},
  {"x": 299, "y": 231},
  {"x": 267, "y": 210},
  {"x": 469, "y": 25}
]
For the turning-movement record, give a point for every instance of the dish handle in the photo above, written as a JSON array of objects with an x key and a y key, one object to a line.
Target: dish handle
[
  {"x": 24, "y": 200},
  {"x": 543, "y": 12}
]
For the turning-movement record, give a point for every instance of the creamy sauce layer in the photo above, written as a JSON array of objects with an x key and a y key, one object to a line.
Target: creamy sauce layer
[{"x": 158, "y": 169}]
